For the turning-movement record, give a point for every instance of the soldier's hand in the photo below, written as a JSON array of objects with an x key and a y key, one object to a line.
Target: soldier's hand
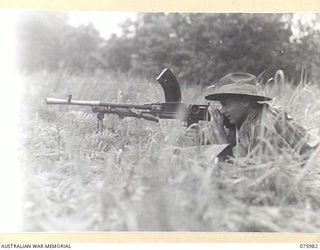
[{"x": 216, "y": 126}]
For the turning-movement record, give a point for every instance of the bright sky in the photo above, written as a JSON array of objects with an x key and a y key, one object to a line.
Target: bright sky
[
  {"x": 10, "y": 168},
  {"x": 106, "y": 23}
]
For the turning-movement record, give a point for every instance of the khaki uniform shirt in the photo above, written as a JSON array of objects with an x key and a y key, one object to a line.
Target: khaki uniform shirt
[{"x": 270, "y": 132}]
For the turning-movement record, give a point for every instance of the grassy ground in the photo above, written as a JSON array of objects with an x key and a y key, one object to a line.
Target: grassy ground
[{"x": 127, "y": 178}]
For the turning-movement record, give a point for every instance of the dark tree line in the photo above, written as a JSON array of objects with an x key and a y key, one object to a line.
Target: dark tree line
[{"x": 199, "y": 48}]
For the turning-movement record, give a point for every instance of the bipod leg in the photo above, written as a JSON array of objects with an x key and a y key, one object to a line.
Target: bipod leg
[{"x": 100, "y": 117}]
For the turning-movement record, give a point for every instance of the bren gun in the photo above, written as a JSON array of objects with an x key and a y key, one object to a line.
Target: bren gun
[{"x": 172, "y": 108}]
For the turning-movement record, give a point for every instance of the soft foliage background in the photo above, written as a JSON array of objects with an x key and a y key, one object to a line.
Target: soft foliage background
[
  {"x": 128, "y": 178},
  {"x": 199, "y": 47}
]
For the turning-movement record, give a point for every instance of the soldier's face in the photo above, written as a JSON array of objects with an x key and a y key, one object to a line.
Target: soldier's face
[{"x": 235, "y": 109}]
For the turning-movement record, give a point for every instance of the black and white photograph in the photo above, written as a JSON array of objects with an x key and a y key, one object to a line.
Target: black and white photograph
[{"x": 168, "y": 121}]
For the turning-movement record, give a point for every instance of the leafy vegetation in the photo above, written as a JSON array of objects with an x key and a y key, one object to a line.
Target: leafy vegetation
[
  {"x": 129, "y": 178},
  {"x": 201, "y": 47}
]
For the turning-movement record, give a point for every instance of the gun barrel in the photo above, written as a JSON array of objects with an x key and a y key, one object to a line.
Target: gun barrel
[{"x": 50, "y": 100}]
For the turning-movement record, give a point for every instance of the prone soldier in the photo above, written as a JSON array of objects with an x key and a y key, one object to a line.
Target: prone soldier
[{"x": 257, "y": 127}]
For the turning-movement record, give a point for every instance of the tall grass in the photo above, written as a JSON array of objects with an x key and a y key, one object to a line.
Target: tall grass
[{"x": 129, "y": 178}]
